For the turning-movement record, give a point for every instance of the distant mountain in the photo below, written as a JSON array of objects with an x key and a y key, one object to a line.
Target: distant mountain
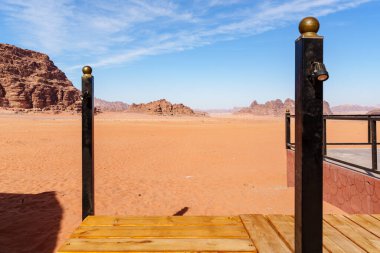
[
  {"x": 104, "y": 105},
  {"x": 277, "y": 107},
  {"x": 163, "y": 107},
  {"x": 375, "y": 111},
  {"x": 352, "y": 109},
  {"x": 235, "y": 109}
]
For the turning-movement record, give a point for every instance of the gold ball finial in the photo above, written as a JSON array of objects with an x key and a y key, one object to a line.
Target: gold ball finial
[
  {"x": 309, "y": 26},
  {"x": 87, "y": 70}
]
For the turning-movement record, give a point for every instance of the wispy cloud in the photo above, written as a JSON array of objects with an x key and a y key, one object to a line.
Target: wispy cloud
[
  {"x": 39, "y": 22},
  {"x": 104, "y": 33},
  {"x": 224, "y": 2}
]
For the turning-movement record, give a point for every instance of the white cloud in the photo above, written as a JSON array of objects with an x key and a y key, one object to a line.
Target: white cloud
[
  {"x": 110, "y": 32},
  {"x": 43, "y": 22},
  {"x": 224, "y": 2}
]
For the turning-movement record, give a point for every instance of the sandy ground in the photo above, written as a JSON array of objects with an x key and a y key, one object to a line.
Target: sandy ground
[{"x": 145, "y": 165}]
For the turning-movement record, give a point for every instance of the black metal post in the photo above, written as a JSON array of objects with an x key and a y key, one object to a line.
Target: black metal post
[
  {"x": 374, "y": 145},
  {"x": 308, "y": 140},
  {"x": 369, "y": 129},
  {"x": 324, "y": 136},
  {"x": 87, "y": 142},
  {"x": 287, "y": 129}
]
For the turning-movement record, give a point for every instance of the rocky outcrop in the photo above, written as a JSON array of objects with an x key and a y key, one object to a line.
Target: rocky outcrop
[
  {"x": 30, "y": 80},
  {"x": 105, "y": 106},
  {"x": 163, "y": 107},
  {"x": 273, "y": 107},
  {"x": 277, "y": 107}
]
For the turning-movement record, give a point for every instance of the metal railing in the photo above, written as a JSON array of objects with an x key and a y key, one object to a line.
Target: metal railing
[{"x": 371, "y": 138}]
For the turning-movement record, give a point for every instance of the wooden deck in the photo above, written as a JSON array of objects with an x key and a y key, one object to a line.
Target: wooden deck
[{"x": 244, "y": 233}]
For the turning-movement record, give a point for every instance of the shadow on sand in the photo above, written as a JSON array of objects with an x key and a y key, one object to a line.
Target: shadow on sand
[{"x": 29, "y": 222}]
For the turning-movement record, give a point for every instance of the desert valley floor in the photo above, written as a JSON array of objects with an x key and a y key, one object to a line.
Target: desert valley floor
[{"x": 144, "y": 165}]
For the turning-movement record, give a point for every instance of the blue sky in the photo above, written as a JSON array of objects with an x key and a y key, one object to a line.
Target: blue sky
[{"x": 203, "y": 53}]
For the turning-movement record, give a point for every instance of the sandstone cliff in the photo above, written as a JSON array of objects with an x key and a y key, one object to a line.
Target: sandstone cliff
[
  {"x": 163, "y": 107},
  {"x": 30, "y": 80},
  {"x": 277, "y": 107}
]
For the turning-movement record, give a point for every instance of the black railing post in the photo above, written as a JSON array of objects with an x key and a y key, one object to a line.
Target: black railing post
[
  {"x": 324, "y": 136},
  {"x": 308, "y": 138},
  {"x": 287, "y": 129},
  {"x": 87, "y": 142},
  {"x": 369, "y": 129},
  {"x": 374, "y": 144}
]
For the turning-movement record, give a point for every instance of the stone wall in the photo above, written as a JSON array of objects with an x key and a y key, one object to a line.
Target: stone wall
[{"x": 351, "y": 191}]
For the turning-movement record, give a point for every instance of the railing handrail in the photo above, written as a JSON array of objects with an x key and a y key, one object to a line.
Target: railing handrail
[
  {"x": 352, "y": 117},
  {"x": 372, "y": 139},
  {"x": 347, "y": 116}
]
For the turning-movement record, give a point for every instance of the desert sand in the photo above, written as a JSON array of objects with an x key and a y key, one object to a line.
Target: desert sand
[{"x": 144, "y": 165}]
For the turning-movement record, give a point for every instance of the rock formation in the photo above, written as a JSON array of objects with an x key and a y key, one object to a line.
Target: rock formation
[
  {"x": 163, "y": 107},
  {"x": 30, "y": 80},
  {"x": 277, "y": 107},
  {"x": 352, "y": 109},
  {"x": 104, "y": 105}
]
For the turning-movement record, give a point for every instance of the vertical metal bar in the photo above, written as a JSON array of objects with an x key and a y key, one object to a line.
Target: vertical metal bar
[
  {"x": 308, "y": 139},
  {"x": 287, "y": 129},
  {"x": 87, "y": 142},
  {"x": 369, "y": 129},
  {"x": 374, "y": 145},
  {"x": 324, "y": 136}
]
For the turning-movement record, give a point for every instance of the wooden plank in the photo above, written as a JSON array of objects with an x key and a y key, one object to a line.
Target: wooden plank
[
  {"x": 336, "y": 242},
  {"x": 284, "y": 225},
  {"x": 156, "y": 245},
  {"x": 264, "y": 237},
  {"x": 163, "y": 232},
  {"x": 376, "y": 216},
  {"x": 271, "y": 233},
  {"x": 367, "y": 222},
  {"x": 161, "y": 221},
  {"x": 354, "y": 232}
]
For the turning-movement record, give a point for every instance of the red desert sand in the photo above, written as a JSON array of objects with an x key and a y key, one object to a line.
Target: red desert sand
[{"x": 144, "y": 165}]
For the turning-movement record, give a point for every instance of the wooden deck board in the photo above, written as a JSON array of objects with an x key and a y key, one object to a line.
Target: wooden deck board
[
  {"x": 336, "y": 242},
  {"x": 247, "y": 233},
  {"x": 263, "y": 235},
  {"x": 354, "y": 232},
  {"x": 143, "y": 245},
  {"x": 284, "y": 224},
  {"x": 376, "y": 216},
  {"x": 161, "y": 221},
  {"x": 367, "y": 222},
  {"x": 161, "y": 232}
]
